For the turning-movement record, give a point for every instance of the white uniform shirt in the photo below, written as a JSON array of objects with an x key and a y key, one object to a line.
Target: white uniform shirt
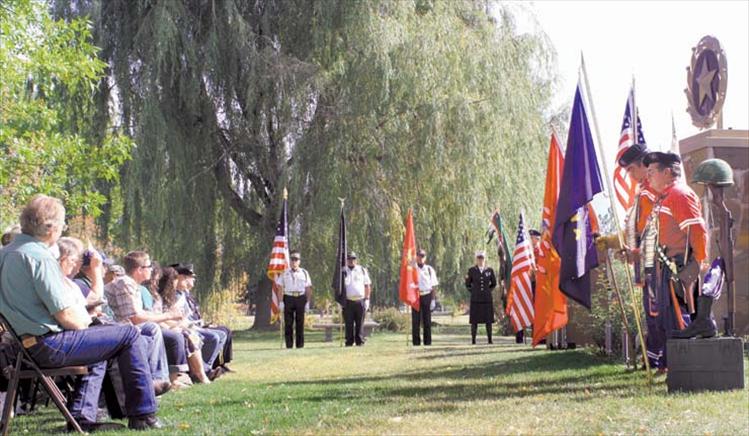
[
  {"x": 294, "y": 281},
  {"x": 427, "y": 279},
  {"x": 356, "y": 279}
]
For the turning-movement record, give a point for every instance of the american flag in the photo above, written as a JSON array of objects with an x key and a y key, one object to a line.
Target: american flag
[
  {"x": 520, "y": 299},
  {"x": 279, "y": 256},
  {"x": 625, "y": 186}
]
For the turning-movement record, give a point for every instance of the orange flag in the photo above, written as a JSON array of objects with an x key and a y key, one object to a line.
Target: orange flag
[
  {"x": 550, "y": 305},
  {"x": 409, "y": 284}
]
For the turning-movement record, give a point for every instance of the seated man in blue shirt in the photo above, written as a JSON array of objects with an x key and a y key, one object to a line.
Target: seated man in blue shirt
[{"x": 36, "y": 304}]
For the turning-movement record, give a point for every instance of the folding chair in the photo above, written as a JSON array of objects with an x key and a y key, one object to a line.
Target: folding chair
[{"x": 46, "y": 376}]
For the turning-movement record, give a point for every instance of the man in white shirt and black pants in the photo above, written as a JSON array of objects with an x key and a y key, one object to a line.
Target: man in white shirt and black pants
[
  {"x": 427, "y": 300},
  {"x": 358, "y": 288},
  {"x": 296, "y": 288}
]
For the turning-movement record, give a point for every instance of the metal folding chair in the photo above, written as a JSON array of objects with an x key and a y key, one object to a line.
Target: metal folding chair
[{"x": 26, "y": 367}]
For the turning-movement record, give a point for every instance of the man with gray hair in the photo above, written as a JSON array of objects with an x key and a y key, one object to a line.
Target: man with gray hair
[{"x": 55, "y": 334}]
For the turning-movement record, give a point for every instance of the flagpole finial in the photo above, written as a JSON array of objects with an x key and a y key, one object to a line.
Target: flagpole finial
[
  {"x": 342, "y": 200},
  {"x": 285, "y": 194}
]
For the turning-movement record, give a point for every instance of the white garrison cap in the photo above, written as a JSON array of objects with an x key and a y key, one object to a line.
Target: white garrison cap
[{"x": 480, "y": 253}]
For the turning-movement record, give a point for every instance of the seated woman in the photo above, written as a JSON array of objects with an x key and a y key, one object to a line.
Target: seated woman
[{"x": 165, "y": 299}]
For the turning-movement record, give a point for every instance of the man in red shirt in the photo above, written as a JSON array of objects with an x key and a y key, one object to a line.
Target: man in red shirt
[{"x": 681, "y": 233}]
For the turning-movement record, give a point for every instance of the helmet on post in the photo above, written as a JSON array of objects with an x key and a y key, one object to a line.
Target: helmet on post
[{"x": 713, "y": 172}]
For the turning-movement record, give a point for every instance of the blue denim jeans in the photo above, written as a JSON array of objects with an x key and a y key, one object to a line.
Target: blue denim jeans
[
  {"x": 155, "y": 350},
  {"x": 213, "y": 343},
  {"x": 176, "y": 350},
  {"x": 92, "y": 347}
]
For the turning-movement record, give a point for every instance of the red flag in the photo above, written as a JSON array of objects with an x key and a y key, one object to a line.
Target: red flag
[
  {"x": 409, "y": 284},
  {"x": 550, "y": 304}
]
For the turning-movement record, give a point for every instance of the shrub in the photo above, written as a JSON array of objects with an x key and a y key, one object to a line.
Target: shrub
[{"x": 391, "y": 319}]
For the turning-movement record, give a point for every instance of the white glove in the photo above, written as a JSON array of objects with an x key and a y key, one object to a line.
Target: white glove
[
  {"x": 366, "y": 304},
  {"x": 432, "y": 305},
  {"x": 280, "y": 306},
  {"x": 306, "y": 307}
]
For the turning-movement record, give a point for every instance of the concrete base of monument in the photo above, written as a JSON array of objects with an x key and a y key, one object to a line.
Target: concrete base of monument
[{"x": 715, "y": 364}]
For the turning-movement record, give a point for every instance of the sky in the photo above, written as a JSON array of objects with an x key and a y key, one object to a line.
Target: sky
[{"x": 652, "y": 42}]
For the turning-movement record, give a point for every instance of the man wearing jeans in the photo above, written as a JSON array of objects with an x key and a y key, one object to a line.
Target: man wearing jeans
[{"x": 36, "y": 303}]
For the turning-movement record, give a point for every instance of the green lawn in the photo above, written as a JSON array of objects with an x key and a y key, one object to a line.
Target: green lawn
[{"x": 451, "y": 387}]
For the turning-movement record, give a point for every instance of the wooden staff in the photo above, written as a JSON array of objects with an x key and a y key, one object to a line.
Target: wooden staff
[{"x": 635, "y": 306}]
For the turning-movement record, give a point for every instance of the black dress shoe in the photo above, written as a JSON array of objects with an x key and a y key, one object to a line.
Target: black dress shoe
[
  {"x": 92, "y": 427},
  {"x": 145, "y": 422}
]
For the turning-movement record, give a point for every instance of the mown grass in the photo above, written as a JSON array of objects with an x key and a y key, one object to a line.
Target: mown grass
[{"x": 449, "y": 388}]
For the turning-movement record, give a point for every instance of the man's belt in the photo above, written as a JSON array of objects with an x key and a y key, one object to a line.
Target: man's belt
[
  {"x": 425, "y": 293},
  {"x": 686, "y": 274},
  {"x": 294, "y": 294},
  {"x": 354, "y": 298}
]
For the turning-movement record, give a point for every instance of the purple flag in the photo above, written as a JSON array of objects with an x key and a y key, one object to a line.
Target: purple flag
[{"x": 581, "y": 180}]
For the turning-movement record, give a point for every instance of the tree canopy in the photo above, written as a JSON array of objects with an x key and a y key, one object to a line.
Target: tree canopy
[
  {"x": 48, "y": 141},
  {"x": 435, "y": 105}
]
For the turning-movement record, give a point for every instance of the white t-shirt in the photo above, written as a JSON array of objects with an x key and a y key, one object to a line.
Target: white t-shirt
[
  {"x": 427, "y": 279},
  {"x": 356, "y": 279},
  {"x": 294, "y": 281}
]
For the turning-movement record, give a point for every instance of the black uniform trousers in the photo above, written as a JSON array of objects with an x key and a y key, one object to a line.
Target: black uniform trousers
[
  {"x": 293, "y": 313},
  {"x": 353, "y": 316},
  {"x": 422, "y": 316}
]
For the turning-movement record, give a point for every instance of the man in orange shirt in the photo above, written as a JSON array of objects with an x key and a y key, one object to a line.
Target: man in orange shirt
[{"x": 681, "y": 246}]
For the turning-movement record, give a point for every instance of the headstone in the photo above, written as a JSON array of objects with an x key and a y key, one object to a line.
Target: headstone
[{"x": 715, "y": 364}]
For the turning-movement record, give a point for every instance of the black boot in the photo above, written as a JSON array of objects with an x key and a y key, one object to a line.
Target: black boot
[
  {"x": 703, "y": 326},
  {"x": 489, "y": 333},
  {"x": 474, "y": 328}
]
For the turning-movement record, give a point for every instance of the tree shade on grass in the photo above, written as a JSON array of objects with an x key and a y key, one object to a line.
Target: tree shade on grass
[{"x": 451, "y": 387}]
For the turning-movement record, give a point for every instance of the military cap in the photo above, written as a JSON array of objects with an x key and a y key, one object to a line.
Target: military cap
[
  {"x": 480, "y": 253},
  {"x": 185, "y": 269},
  {"x": 534, "y": 232},
  {"x": 633, "y": 154},
  {"x": 663, "y": 158},
  {"x": 421, "y": 252},
  {"x": 351, "y": 255}
]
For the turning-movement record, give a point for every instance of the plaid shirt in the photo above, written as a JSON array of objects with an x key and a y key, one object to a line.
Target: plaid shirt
[{"x": 123, "y": 296}]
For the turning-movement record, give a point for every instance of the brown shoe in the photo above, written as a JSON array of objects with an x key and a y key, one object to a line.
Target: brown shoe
[{"x": 161, "y": 387}]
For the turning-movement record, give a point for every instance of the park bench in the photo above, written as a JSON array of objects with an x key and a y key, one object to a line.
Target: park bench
[{"x": 367, "y": 328}]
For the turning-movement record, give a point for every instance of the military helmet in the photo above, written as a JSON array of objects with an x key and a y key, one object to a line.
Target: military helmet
[{"x": 713, "y": 172}]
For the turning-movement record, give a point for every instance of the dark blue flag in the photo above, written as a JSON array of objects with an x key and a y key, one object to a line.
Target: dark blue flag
[
  {"x": 581, "y": 180},
  {"x": 339, "y": 275}
]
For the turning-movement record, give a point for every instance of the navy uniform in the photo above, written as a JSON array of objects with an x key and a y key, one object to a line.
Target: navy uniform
[
  {"x": 358, "y": 287},
  {"x": 427, "y": 283},
  {"x": 480, "y": 282},
  {"x": 295, "y": 284}
]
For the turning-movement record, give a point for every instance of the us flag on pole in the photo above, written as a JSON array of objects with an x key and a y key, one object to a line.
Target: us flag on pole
[
  {"x": 520, "y": 300},
  {"x": 625, "y": 186},
  {"x": 279, "y": 256}
]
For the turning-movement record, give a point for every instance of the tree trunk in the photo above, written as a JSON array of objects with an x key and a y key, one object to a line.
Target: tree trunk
[{"x": 262, "y": 305}]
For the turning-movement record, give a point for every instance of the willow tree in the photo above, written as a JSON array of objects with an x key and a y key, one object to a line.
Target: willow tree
[{"x": 390, "y": 104}]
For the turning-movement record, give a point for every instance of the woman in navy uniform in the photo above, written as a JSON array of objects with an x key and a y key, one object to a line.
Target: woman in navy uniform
[{"x": 480, "y": 282}]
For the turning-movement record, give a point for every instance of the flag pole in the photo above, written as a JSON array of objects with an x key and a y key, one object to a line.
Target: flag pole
[
  {"x": 635, "y": 306},
  {"x": 341, "y": 284}
]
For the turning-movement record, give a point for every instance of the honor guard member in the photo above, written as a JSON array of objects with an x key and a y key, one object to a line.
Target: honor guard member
[
  {"x": 295, "y": 288},
  {"x": 427, "y": 300},
  {"x": 480, "y": 282},
  {"x": 634, "y": 225},
  {"x": 358, "y": 288},
  {"x": 536, "y": 244},
  {"x": 680, "y": 247}
]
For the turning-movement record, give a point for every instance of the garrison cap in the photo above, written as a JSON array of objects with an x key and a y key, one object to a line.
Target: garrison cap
[
  {"x": 633, "y": 154},
  {"x": 421, "y": 252},
  {"x": 185, "y": 269},
  {"x": 351, "y": 255},
  {"x": 534, "y": 232},
  {"x": 480, "y": 253},
  {"x": 663, "y": 158}
]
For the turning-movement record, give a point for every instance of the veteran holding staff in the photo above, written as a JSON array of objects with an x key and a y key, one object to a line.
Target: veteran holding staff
[
  {"x": 295, "y": 289},
  {"x": 480, "y": 282},
  {"x": 358, "y": 288}
]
